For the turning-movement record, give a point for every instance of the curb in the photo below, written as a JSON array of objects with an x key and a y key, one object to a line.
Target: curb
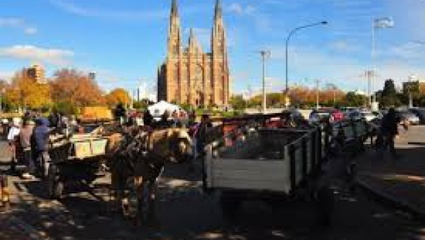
[{"x": 392, "y": 201}]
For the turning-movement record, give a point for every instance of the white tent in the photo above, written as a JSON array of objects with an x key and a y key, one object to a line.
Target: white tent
[{"x": 159, "y": 108}]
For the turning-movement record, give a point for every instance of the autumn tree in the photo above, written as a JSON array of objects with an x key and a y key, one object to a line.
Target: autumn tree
[
  {"x": 26, "y": 92},
  {"x": 118, "y": 95},
  {"x": 73, "y": 86}
]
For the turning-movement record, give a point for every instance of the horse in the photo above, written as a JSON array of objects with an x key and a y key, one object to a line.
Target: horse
[{"x": 138, "y": 158}]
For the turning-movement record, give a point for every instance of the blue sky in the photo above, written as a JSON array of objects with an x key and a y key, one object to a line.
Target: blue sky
[{"x": 124, "y": 41}]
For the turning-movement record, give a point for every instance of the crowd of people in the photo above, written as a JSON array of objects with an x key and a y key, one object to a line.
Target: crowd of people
[{"x": 28, "y": 137}]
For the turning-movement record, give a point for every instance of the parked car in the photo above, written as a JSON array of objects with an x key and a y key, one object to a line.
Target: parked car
[
  {"x": 406, "y": 115},
  {"x": 333, "y": 114},
  {"x": 367, "y": 115},
  {"x": 420, "y": 113}
]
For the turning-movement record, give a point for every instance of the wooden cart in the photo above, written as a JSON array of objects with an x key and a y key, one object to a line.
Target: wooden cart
[
  {"x": 262, "y": 163},
  {"x": 79, "y": 158}
]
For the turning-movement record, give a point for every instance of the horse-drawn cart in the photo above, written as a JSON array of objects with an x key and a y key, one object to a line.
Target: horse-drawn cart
[
  {"x": 262, "y": 163},
  {"x": 77, "y": 158}
]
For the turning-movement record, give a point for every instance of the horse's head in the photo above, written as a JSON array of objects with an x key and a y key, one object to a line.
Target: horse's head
[{"x": 180, "y": 145}]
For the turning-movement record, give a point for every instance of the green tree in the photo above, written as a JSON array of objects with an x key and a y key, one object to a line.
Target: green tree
[
  {"x": 237, "y": 102},
  {"x": 354, "y": 100},
  {"x": 389, "y": 94},
  {"x": 413, "y": 89}
]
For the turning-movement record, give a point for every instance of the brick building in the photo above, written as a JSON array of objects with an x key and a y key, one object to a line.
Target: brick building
[{"x": 191, "y": 76}]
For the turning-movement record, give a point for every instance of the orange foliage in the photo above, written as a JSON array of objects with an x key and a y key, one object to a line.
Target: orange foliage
[
  {"x": 76, "y": 87},
  {"x": 118, "y": 95}
]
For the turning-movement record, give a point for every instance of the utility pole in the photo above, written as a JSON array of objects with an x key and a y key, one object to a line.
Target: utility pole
[
  {"x": 369, "y": 75},
  {"x": 317, "y": 93},
  {"x": 264, "y": 56}
]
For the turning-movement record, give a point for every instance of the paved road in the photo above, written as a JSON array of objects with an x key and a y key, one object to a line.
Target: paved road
[{"x": 188, "y": 213}]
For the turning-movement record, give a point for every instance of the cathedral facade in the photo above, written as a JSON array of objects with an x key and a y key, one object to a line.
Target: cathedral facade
[{"x": 191, "y": 76}]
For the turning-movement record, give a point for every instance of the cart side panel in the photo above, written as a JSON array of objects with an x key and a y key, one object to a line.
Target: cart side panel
[
  {"x": 99, "y": 146},
  {"x": 298, "y": 155},
  {"x": 271, "y": 175},
  {"x": 82, "y": 149}
]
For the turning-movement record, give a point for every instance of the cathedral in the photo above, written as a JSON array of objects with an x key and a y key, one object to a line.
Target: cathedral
[{"x": 190, "y": 76}]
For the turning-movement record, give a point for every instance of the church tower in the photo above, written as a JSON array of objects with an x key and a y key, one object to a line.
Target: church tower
[
  {"x": 220, "y": 71},
  {"x": 174, "y": 32},
  {"x": 189, "y": 75}
]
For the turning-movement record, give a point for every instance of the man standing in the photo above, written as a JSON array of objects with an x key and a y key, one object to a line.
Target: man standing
[
  {"x": 390, "y": 130},
  {"x": 201, "y": 133},
  {"x": 120, "y": 114},
  {"x": 25, "y": 140},
  {"x": 41, "y": 136},
  {"x": 12, "y": 136}
]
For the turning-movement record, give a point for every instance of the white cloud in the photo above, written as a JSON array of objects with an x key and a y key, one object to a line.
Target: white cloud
[
  {"x": 29, "y": 52},
  {"x": 343, "y": 46},
  {"x": 30, "y": 30},
  {"x": 106, "y": 13},
  {"x": 10, "y": 22},
  {"x": 407, "y": 51},
  {"x": 6, "y": 75},
  {"x": 241, "y": 10}
]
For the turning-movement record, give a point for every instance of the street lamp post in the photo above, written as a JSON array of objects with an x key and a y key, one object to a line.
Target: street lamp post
[
  {"x": 317, "y": 93},
  {"x": 379, "y": 23},
  {"x": 287, "y": 43},
  {"x": 264, "y": 56},
  {"x": 409, "y": 89}
]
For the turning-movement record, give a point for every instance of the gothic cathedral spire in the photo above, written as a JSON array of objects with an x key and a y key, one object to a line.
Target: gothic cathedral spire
[
  {"x": 174, "y": 33},
  {"x": 218, "y": 33}
]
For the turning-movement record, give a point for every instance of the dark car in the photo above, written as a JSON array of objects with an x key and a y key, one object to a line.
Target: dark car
[{"x": 420, "y": 113}]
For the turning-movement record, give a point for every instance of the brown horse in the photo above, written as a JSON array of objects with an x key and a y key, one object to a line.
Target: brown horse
[{"x": 137, "y": 160}]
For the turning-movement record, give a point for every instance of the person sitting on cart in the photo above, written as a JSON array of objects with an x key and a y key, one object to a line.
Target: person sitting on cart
[
  {"x": 41, "y": 140},
  {"x": 25, "y": 140}
]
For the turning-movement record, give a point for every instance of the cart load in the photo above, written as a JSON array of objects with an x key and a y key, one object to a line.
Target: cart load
[
  {"x": 79, "y": 158},
  {"x": 274, "y": 160}
]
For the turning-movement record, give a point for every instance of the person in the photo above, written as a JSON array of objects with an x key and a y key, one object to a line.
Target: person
[
  {"x": 314, "y": 116},
  {"x": 390, "y": 130},
  {"x": 54, "y": 119},
  {"x": 175, "y": 118},
  {"x": 25, "y": 141},
  {"x": 120, "y": 113},
  {"x": 164, "y": 123},
  {"x": 201, "y": 133},
  {"x": 41, "y": 137},
  {"x": 12, "y": 136},
  {"x": 147, "y": 118}
]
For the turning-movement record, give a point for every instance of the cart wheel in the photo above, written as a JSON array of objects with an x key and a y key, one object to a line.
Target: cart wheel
[
  {"x": 55, "y": 186},
  {"x": 230, "y": 204}
]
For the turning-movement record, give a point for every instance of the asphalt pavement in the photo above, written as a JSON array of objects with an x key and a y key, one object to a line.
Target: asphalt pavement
[{"x": 186, "y": 212}]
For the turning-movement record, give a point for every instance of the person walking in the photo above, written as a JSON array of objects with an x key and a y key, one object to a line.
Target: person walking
[
  {"x": 120, "y": 114},
  {"x": 12, "y": 137},
  {"x": 41, "y": 137},
  {"x": 390, "y": 130},
  {"x": 25, "y": 141}
]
